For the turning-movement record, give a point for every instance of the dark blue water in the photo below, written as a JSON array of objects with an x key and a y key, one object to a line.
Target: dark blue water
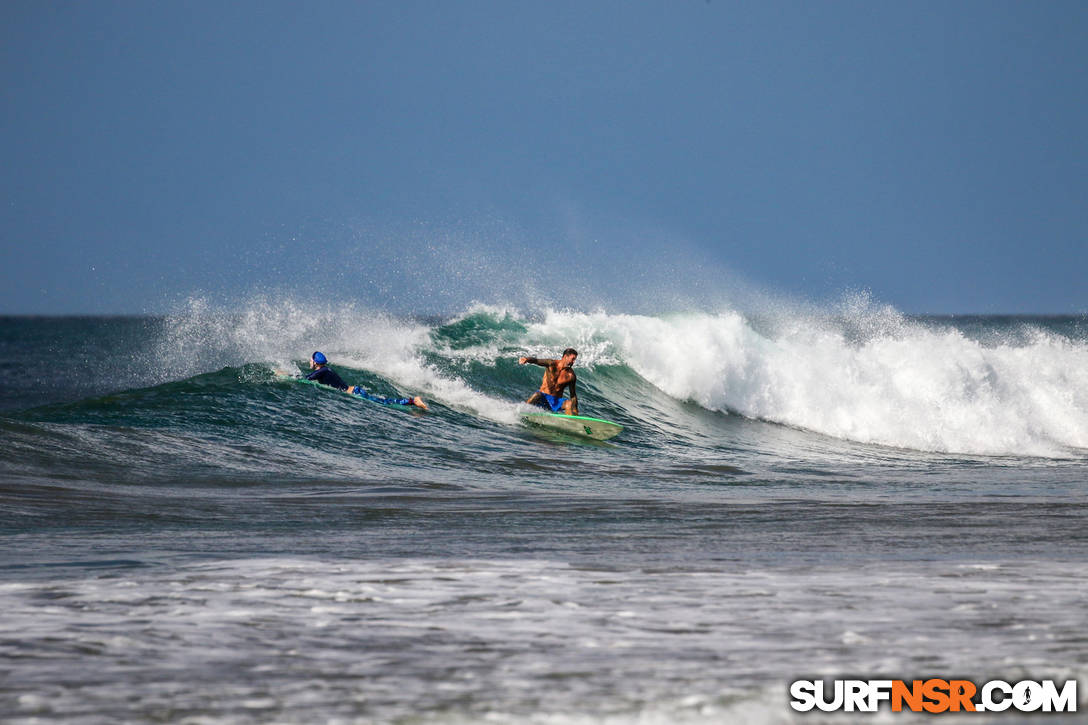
[{"x": 186, "y": 537}]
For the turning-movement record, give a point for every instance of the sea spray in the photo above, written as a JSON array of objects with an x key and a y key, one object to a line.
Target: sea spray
[{"x": 283, "y": 332}]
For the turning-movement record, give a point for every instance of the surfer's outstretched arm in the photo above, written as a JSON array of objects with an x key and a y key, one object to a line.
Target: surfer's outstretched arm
[{"x": 543, "y": 362}]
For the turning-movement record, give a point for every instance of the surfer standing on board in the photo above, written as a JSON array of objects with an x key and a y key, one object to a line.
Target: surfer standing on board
[
  {"x": 557, "y": 376},
  {"x": 325, "y": 375}
]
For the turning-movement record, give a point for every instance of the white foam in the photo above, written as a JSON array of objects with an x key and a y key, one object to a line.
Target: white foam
[
  {"x": 871, "y": 376},
  {"x": 442, "y": 643}
]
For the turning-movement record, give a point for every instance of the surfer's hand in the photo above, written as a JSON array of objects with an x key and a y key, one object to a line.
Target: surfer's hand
[{"x": 522, "y": 360}]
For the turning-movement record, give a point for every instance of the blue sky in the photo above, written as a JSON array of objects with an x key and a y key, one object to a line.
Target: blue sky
[{"x": 416, "y": 156}]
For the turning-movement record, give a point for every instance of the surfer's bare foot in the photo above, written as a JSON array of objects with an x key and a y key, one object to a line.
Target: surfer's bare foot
[{"x": 418, "y": 402}]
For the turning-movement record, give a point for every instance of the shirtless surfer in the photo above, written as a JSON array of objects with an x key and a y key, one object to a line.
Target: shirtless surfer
[{"x": 557, "y": 376}]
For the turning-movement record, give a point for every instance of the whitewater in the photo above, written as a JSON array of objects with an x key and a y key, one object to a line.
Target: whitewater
[{"x": 799, "y": 491}]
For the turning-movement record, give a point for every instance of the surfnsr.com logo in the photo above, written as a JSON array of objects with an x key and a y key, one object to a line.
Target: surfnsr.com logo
[{"x": 933, "y": 696}]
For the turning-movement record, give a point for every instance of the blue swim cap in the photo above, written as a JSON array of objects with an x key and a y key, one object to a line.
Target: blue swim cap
[{"x": 319, "y": 358}]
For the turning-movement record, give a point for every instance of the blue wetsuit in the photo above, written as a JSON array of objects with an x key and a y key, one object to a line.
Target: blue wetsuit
[
  {"x": 379, "y": 399},
  {"x": 327, "y": 376}
]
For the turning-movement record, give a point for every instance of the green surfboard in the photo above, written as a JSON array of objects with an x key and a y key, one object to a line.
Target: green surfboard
[{"x": 579, "y": 425}]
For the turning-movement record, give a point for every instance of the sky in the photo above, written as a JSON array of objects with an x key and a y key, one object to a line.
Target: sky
[{"x": 418, "y": 156}]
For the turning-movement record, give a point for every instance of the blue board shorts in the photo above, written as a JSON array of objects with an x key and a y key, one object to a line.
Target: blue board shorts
[{"x": 551, "y": 401}]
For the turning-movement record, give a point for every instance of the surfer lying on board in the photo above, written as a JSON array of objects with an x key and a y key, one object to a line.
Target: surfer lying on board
[
  {"x": 325, "y": 375},
  {"x": 557, "y": 376}
]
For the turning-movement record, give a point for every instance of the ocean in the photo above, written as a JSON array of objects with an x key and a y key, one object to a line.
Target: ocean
[{"x": 797, "y": 494}]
